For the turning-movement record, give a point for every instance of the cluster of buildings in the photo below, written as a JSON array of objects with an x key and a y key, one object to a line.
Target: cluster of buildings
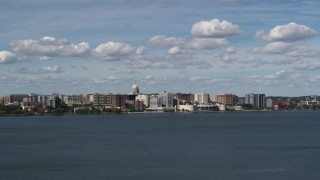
[{"x": 136, "y": 101}]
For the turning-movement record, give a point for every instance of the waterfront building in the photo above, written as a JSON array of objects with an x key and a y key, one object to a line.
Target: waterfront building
[
  {"x": 186, "y": 108},
  {"x": 87, "y": 98},
  {"x": 155, "y": 102},
  {"x": 184, "y": 98},
  {"x": 109, "y": 100},
  {"x": 167, "y": 99},
  {"x": 202, "y": 98},
  {"x": 54, "y": 102},
  {"x": 72, "y": 99},
  {"x": 118, "y": 101},
  {"x": 269, "y": 103},
  {"x": 14, "y": 98},
  {"x": 101, "y": 99},
  {"x": 256, "y": 100},
  {"x": 225, "y": 98},
  {"x": 144, "y": 98}
]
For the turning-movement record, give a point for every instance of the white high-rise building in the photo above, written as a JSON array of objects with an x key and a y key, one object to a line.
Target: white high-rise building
[
  {"x": 167, "y": 99},
  {"x": 202, "y": 98},
  {"x": 269, "y": 103},
  {"x": 144, "y": 98},
  {"x": 155, "y": 102},
  {"x": 257, "y": 100}
]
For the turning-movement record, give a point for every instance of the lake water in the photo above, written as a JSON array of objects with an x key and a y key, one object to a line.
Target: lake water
[{"x": 235, "y": 145}]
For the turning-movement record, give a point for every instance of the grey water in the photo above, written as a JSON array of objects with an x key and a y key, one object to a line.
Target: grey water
[{"x": 236, "y": 145}]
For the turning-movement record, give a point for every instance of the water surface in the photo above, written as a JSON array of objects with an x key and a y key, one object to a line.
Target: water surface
[{"x": 237, "y": 145}]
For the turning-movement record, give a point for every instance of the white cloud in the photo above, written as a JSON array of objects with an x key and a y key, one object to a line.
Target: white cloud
[
  {"x": 308, "y": 66},
  {"x": 140, "y": 50},
  {"x": 146, "y": 64},
  {"x": 228, "y": 59},
  {"x": 231, "y": 50},
  {"x": 253, "y": 60},
  {"x": 273, "y": 48},
  {"x": 149, "y": 77},
  {"x": 166, "y": 42},
  {"x": 303, "y": 52},
  {"x": 196, "y": 43},
  {"x": 175, "y": 50},
  {"x": 7, "y": 57},
  {"x": 43, "y": 70},
  {"x": 287, "y": 33},
  {"x": 208, "y": 44},
  {"x": 214, "y": 29},
  {"x": 50, "y": 47},
  {"x": 112, "y": 51},
  {"x": 197, "y": 79}
]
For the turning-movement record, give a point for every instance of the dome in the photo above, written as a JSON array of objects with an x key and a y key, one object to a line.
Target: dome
[{"x": 134, "y": 89}]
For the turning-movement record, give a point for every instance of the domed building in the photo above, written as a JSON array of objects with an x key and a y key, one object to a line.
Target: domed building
[{"x": 134, "y": 89}]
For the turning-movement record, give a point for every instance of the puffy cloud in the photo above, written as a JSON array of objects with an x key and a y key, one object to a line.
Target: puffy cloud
[
  {"x": 180, "y": 43},
  {"x": 197, "y": 79},
  {"x": 287, "y": 33},
  {"x": 253, "y": 60},
  {"x": 273, "y": 48},
  {"x": 228, "y": 59},
  {"x": 231, "y": 50},
  {"x": 214, "y": 29},
  {"x": 50, "y": 47},
  {"x": 165, "y": 42},
  {"x": 174, "y": 50},
  {"x": 303, "y": 52},
  {"x": 43, "y": 70},
  {"x": 308, "y": 66},
  {"x": 147, "y": 64},
  {"x": 140, "y": 50},
  {"x": 7, "y": 57},
  {"x": 112, "y": 51},
  {"x": 149, "y": 77},
  {"x": 208, "y": 44}
]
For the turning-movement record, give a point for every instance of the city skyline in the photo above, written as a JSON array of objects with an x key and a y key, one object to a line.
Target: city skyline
[{"x": 213, "y": 46}]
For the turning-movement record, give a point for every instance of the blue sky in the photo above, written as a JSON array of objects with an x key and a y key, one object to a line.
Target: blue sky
[{"x": 214, "y": 46}]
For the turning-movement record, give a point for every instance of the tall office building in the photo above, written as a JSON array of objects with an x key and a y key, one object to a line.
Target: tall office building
[
  {"x": 167, "y": 99},
  {"x": 202, "y": 98},
  {"x": 155, "y": 102},
  {"x": 256, "y": 100}
]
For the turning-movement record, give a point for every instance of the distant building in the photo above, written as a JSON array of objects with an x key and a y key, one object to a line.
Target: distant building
[
  {"x": 269, "y": 103},
  {"x": 14, "y": 98},
  {"x": 167, "y": 99},
  {"x": 202, "y": 98},
  {"x": 134, "y": 89},
  {"x": 184, "y": 98},
  {"x": 155, "y": 102},
  {"x": 54, "y": 102},
  {"x": 109, "y": 100},
  {"x": 144, "y": 98},
  {"x": 256, "y": 100},
  {"x": 225, "y": 98},
  {"x": 138, "y": 105},
  {"x": 101, "y": 99},
  {"x": 72, "y": 99},
  {"x": 88, "y": 99},
  {"x": 186, "y": 108},
  {"x": 118, "y": 101}
]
